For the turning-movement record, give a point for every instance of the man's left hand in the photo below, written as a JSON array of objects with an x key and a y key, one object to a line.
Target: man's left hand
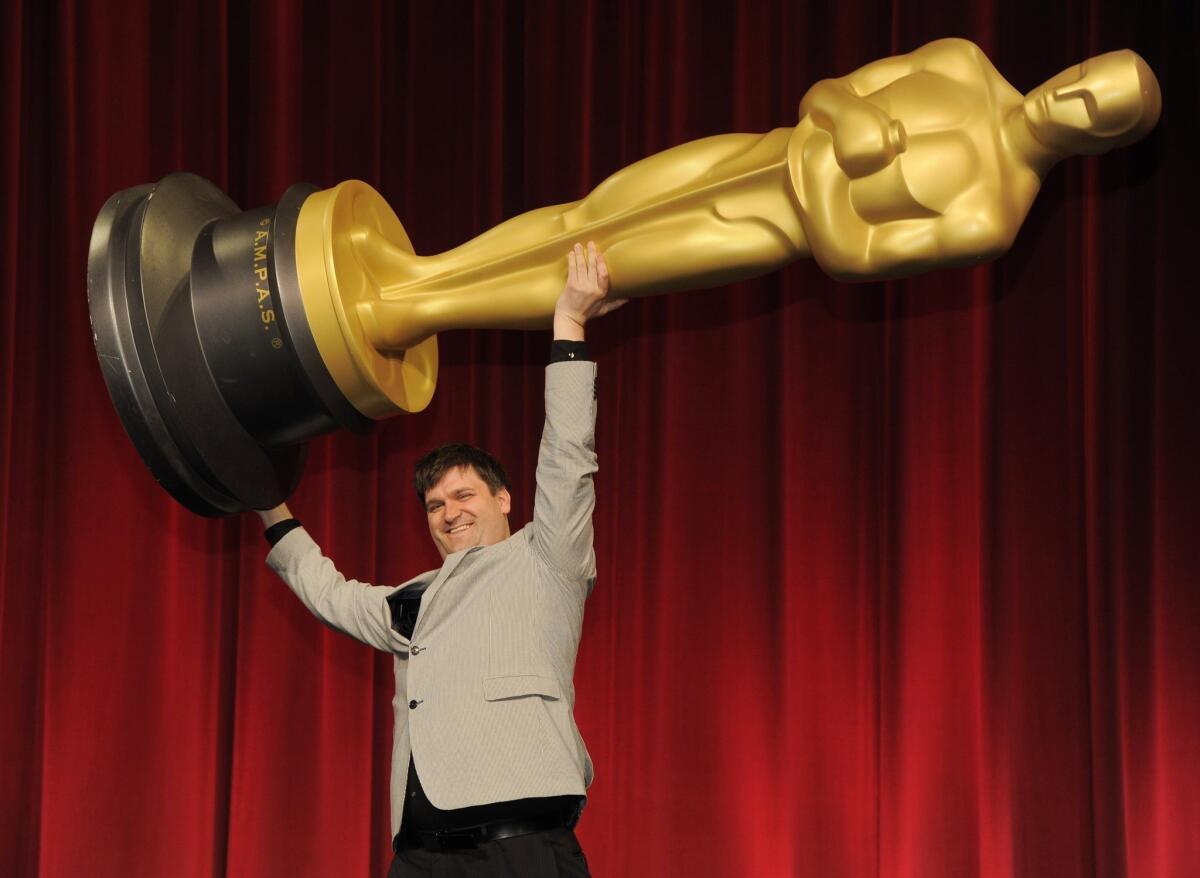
[{"x": 586, "y": 294}]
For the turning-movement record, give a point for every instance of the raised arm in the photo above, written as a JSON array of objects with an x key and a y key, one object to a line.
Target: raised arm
[{"x": 565, "y": 496}]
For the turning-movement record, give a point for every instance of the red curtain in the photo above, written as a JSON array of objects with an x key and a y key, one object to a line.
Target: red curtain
[{"x": 895, "y": 579}]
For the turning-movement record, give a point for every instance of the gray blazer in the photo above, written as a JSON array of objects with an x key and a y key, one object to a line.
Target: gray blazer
[{"x": 484, "y": 692}]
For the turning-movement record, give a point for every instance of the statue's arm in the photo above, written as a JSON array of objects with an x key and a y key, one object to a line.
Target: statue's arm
[{"x": 866, "y": 139}]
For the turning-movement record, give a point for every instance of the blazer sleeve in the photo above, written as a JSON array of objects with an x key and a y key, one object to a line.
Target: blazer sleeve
[
  {"x": 346, "y": 605},
  {"x": 566, "y": 496}
]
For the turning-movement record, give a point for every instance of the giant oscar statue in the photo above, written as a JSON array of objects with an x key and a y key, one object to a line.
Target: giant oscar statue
[{"x": 227, "y": 338}]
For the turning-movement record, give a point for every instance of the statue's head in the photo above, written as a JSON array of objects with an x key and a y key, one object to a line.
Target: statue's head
[
  {"x": 464, "y": 492},
  {"x": 1107, "y": 101}
]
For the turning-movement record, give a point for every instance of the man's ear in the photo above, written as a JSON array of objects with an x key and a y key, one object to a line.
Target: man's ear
[{"x": 505, "y": 500}]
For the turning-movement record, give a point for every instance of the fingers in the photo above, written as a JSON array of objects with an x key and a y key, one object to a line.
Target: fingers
[
  {"x": 601, "y": 271},
  {"x": 572, "y": 269},
  {"x": 587, "y": 271},
  {"x": 597, "y": 268},
  {"x": 586, "y": 293},
  {"x": 587, "y": 266}
]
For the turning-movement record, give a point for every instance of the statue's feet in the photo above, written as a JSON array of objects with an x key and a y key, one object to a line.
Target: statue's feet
[
  {"x": 391, "y": 325},
  {"x": 1107, "y": 101},
  {"x": 389, "y": 265}
]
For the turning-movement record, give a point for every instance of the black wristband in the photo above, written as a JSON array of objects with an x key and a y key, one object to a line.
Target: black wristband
[
  {"x": 280, "y": 529},
  {"x": 562, "y": 351}
]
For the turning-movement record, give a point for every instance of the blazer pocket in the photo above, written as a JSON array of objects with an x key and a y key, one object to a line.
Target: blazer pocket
[{"x": 500, "y": 688}]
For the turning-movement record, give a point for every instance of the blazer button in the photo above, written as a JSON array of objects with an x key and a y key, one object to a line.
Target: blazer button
[
  {"x": 416, "y": 650},
  {"x": 412, "y": 705}
]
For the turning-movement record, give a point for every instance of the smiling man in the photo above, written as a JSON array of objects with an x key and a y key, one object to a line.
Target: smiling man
[
  {"x": 465, "y": 495},
  {"x": 489, "y": 771}
]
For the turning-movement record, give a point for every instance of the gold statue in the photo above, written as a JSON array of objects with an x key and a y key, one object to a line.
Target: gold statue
[
  {"x": 924, "y": 160},
  {"x": 228, "y": 338}
]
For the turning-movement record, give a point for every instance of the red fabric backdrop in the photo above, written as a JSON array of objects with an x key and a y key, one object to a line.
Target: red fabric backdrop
[{"x": 896, "y": 579}]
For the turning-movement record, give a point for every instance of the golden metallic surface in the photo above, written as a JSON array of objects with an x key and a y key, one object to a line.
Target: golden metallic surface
[
  {"x": 964, "y": 157},
  {"x": 329, "y": 231},
  {"x": 915, "y": 162}
]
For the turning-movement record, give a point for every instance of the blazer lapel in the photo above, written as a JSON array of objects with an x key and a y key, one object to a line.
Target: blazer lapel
[{"x": 448, "y": 567}]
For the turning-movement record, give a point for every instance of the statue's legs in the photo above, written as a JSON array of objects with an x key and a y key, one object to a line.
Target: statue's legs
[{"x": 702, "y": 214}]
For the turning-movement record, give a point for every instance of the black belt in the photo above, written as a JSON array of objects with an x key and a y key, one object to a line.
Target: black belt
[{"x": 437, "y": 840}]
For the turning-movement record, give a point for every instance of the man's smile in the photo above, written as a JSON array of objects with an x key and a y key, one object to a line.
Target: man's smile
[{"x": 463, "y": 511}]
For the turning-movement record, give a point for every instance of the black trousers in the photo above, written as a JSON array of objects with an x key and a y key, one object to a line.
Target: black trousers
[{"x": 551, "y": 854}]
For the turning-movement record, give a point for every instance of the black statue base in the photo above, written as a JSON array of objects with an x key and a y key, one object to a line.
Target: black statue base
[{"x": 204, "y": 345}]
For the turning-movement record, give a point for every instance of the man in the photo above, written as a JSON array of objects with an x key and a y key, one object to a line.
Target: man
[{"x": 488, "y": 768}]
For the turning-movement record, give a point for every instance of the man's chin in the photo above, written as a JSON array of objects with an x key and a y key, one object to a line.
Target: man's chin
[{"x": 459, "y": 543}]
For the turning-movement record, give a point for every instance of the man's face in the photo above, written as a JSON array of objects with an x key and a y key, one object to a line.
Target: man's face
[{"x": 463, "y": 512}]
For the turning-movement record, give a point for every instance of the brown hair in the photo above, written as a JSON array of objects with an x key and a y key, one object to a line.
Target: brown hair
[{"x": 430, "y": 468}]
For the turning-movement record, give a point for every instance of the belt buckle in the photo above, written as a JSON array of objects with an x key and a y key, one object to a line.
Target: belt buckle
[{"x": 457, "y": 839}]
